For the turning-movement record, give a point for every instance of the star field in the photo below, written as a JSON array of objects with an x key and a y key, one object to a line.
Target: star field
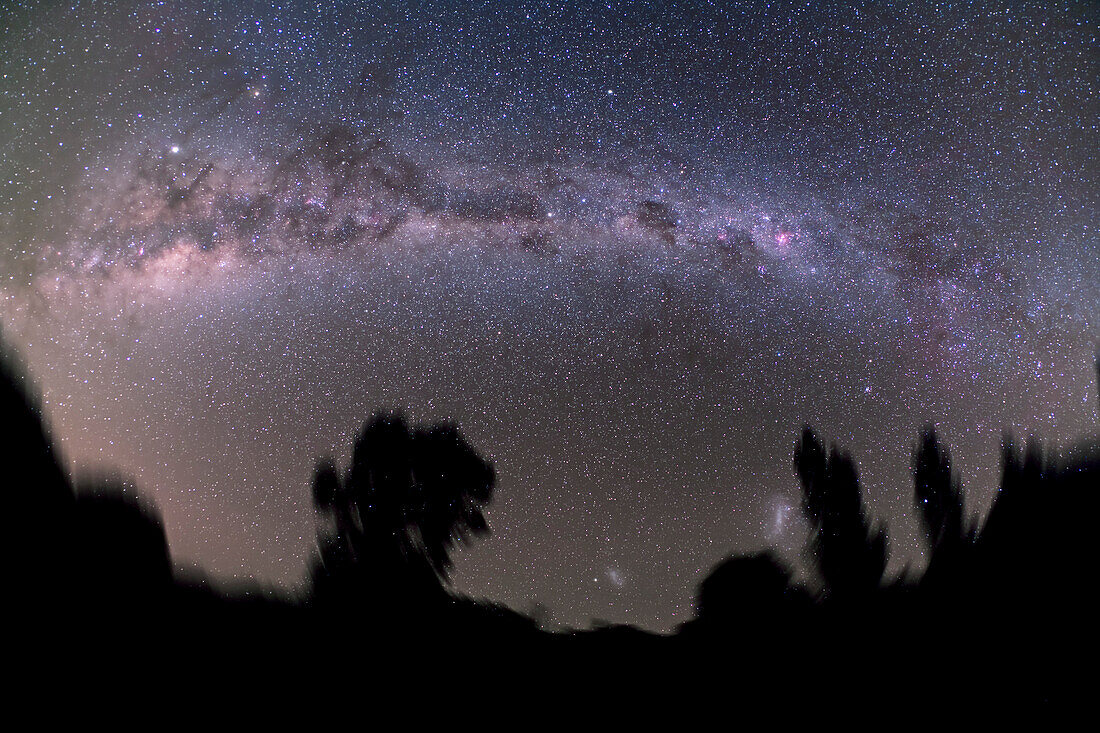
[{"x": 630, "y": 248}]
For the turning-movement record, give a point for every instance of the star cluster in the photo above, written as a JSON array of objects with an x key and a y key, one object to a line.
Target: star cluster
[{"x": 629, "y": 247}]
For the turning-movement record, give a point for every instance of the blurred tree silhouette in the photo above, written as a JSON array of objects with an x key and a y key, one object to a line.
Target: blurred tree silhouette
[
  {"x": 850, "y": 556},
  {"x": 1019, "y": 541},
  {"x": 409, "y": 496},
  {"x": 937, "y": 492},
  {"x": 745, "y": 587}
]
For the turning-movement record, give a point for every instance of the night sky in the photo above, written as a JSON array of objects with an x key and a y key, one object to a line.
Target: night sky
[{"x": 629, "y": 248}]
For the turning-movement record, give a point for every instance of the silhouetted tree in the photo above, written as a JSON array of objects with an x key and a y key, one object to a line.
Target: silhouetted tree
[
  {"x": 408, "y": 497},
  {"x": 1023, "y": 523},
  {"x": 452, "y": 484},
  {"x": 850, "y": 556},
  {"x": 937, "y": 492},
  {"x": 334, "y": 508},
  {"x": 744, "y": 587}
]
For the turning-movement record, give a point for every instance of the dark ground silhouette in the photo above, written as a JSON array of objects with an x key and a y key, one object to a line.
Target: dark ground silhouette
[{"x": 1001, "y": 618}]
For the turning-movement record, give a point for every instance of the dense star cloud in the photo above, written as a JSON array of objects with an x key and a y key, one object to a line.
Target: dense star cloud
[{"x": 630, "y": 249}]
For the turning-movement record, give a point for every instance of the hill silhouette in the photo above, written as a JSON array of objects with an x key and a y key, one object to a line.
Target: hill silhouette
[{"x": 1000, "y": 617}]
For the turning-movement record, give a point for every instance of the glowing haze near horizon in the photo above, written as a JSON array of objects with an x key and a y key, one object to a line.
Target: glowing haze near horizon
[{"x": 629, "y": 248}]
